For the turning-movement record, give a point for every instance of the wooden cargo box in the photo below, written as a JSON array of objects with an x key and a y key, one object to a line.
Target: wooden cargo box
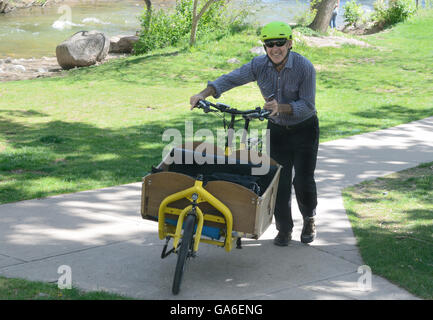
[{"x": 252, "y": 211}]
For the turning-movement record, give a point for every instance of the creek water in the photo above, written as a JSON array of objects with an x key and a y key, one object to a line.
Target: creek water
[{"x": 35, "y": 32}]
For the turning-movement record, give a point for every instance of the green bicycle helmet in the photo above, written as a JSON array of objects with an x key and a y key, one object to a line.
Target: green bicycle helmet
[{"x": 276, "y": 30}]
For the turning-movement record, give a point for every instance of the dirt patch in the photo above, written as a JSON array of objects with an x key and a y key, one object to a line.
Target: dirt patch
[
  {"x": 21, "y": 69},
  {"x": 24, "y": 69},
  {"x": 332, "y": 41},
  {"x": 364, "y": 29}
]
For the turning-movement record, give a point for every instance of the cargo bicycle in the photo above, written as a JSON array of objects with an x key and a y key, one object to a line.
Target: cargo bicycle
[{"x": 217, "y": 202}]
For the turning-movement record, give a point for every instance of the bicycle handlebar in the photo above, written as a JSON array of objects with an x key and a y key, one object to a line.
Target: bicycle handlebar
[{"x": 257, "y": 113}]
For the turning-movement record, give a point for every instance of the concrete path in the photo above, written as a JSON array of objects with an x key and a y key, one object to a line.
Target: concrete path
[{"x": 101, "y": 236}]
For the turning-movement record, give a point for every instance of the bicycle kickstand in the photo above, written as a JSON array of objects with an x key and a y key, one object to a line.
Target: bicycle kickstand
[
  {"x": 239, "y": 243},
  {"x": 164, "y": 252}
]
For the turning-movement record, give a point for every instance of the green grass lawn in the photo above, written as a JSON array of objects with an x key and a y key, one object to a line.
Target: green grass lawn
[
  {"x": 102, "y": 126},
  {"x": 19, "y": 289},
  {"x": 392, "y": 218}
]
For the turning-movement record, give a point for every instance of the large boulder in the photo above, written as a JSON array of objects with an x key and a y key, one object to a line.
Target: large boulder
[
  {"x": 82, "y": 49},
  {"x": 122, "y": 44},
  {"x": 4, "y": 6}
]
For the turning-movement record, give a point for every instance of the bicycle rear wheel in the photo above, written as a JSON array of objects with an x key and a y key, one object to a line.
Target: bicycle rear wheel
[{"x": 183, "y": 253}]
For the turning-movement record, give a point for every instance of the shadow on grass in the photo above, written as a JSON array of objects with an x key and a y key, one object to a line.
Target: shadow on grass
[
  {"x": 357, "y": 123},
  {"x": 60, "y": 157},
  {"x": 395, "y": 112},
  {"x": 9, "y": 128},
  {"x": 20, "y": 113}
]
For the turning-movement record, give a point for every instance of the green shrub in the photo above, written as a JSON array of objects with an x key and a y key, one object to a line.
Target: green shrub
[
  {"x": 162, "y": 31},
  {"x": 352, "y": 12},
  {"x": 380, "y": 7},
  {"x": 172, "y": 28},
  {"x": 306, "y": 31},
  {"x": 392, "y": 12}
]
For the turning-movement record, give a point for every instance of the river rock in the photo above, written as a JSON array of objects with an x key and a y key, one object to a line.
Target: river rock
[
  {"x": 82, "y": 49},
  {"x": 233, "y": 61},
  {"x": 4, "y": 6},
  {"x": 122, "y": 44},
  {"x": 19, "y": 68},
  {"x": 258, "y": 50}
]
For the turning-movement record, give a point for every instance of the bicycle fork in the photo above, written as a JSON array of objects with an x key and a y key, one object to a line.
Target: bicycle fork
[{"x": 191, "y": 211}]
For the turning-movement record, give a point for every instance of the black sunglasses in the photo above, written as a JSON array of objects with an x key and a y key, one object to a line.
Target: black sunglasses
[{"x": 278, "y": 43}]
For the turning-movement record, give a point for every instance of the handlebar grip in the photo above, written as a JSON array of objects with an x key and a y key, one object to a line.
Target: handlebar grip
[
  {"x": 266, "y": 113},
  {"x": 200, "y": 104},
  {"x": 205, "y": 105}
]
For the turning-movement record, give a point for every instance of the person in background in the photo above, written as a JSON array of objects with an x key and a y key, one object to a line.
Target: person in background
[{"x": 333, "y": 23}]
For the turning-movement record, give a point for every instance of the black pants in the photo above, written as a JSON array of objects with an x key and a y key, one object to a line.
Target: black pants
[{"x": 295, "y": 148}]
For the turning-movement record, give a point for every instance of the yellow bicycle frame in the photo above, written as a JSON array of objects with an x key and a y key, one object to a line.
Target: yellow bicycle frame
[{"x": 203, "y": 196}]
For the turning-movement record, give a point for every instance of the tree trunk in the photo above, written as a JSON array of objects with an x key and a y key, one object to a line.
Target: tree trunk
[
  {"x": 148, "y": 13},
  {"x": 196, "y": 18},
  {"x": 323, "y": 15},
  {"x": 194, "y": 24}
]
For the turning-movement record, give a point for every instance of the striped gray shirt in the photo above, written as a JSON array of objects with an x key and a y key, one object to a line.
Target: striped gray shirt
[{"x": 295, "y": 84}]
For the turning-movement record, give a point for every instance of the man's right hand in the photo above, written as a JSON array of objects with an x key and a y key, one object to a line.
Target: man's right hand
[
  {"x": 209, "y": 91},
  {"x": 195, "y": 99}
]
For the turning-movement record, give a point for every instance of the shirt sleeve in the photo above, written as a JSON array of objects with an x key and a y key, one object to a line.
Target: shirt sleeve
[
  {"x": 238, "y": 77},
  {"x": 307, "y": 93}
]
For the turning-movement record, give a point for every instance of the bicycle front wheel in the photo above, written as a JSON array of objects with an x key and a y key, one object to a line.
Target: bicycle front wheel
[{"x": 183, "y": 253}]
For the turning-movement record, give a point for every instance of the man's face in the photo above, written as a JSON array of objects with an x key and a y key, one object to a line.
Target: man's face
[{"x": 277, "y": 53}]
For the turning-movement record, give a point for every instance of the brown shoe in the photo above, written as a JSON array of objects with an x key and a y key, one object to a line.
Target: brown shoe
[
  {"x": 282, "y": 239},
  {"x": 308, "y": 231}
]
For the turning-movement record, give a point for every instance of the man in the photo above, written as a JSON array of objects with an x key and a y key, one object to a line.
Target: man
[{"x": 294, "y": 129}]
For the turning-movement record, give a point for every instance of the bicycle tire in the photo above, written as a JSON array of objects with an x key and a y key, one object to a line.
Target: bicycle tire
[{"x": 186, "y": 244}]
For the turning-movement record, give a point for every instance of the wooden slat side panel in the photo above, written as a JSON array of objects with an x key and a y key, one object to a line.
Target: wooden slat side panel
[
  {"x": 240, "y": 200},
  {"x": 266, "y": 207},
  {"x": 160, "y": 185}
]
